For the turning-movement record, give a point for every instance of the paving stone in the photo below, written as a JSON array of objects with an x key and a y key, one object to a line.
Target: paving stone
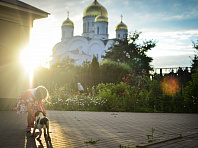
[{"x": 72, "y": 128}]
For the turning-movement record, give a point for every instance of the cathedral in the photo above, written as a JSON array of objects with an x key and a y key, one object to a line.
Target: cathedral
[{"x": 94, "y": 40}]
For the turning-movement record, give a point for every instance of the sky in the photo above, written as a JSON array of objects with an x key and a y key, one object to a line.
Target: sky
[{"x": 172, "y": 23}]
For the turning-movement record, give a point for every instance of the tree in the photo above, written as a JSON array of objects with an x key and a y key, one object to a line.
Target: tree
[
  {"x": 195, "y": 60},
  {"x": 113, "y": 72},
  {"x": 95, "y": 71},
  {"x": 63, "y": 73},
  {"x": 191, "y": 94},
  {"x": 128, "y": 51}
]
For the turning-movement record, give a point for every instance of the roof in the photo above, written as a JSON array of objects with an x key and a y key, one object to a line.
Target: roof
[{"x": 22, "y": 4}]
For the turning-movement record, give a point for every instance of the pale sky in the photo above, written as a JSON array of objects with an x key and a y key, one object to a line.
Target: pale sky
[{"x": 172, "y": 23}]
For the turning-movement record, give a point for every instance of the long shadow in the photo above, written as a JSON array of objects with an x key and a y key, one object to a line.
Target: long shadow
[
  {"x": 48, "y": 142},
  {"x": 31, "y": 141}
]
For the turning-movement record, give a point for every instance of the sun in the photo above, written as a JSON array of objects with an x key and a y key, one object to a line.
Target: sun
[
  {"x": 30, "y": 58},
  {"x": 38, "y": 52}
]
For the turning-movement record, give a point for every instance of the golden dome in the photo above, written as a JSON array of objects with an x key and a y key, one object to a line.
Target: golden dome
[
  {"x": 121, "y": 25},
  {"x": 101, "y": 18},
  {"x": 95, "y": 9},
  {"x": 68, "y": 22}
]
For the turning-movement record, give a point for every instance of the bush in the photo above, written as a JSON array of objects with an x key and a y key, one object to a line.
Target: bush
[
  {"x": 191, "y": 94},
  {"x": 63, "y": 99}
]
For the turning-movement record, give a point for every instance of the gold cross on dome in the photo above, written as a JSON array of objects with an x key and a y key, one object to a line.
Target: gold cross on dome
[
  {"x": 68, "y": 13},
  {"x": 121, "y": 18}
]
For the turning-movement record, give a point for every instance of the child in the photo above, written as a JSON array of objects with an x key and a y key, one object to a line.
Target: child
[{"x": 30, "y": 101}]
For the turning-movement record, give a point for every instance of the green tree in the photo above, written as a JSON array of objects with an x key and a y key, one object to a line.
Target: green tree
[
  {"x": 112, "y": 72},
  {"x": 195, "y": 59},
  {"x": 41, "y": 77},
  {"x": 191, "y": 94},
  {"x": 95, "y": 71},
  {"x": 63, "y": 73},
  {"x": 84, "y": 74},
  {"x": 129, "y": 51}
]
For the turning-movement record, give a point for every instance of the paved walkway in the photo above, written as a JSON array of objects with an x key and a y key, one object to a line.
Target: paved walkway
[{"x": 107, "y": 129}]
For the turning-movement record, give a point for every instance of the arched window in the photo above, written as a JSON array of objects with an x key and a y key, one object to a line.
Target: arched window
[
  {"x": 97, "y": 30},
  {"x": 88, "y": 27},
  {"x": 63, "y": 34},
  {"x": 92, "y": 26},
  {"x": 84, "y": 27}
]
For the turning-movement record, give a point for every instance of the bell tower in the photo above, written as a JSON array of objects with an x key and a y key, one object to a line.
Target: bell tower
[{"x": 67, "y": 29}]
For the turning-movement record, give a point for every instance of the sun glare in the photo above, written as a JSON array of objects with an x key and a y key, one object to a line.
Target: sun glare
[
  {"x": 29, "y": 58},
  {"x": 170, "y": 85}
]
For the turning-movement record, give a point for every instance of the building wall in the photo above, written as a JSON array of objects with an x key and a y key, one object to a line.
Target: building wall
[
  {"x": 101, "y": 30},
  {"x": 121, "y": 33},
  {"x": 15, "y": 32},
  {"x": 15, "y": 25},
  {"x": 89, "y": 26}
]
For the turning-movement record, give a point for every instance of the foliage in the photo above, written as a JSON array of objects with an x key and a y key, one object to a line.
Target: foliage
[
  {"x": 128, "y": 51},
  {"x": 111, "y": 92},
  {"x": 95, "y": 72},
  {"x": 62, "y": 74},
  {"x": 109, "y": 86},
  {"x": 112, "y": 72},
  {"x": 92, "y": 141},
  {"x": 151, "y": 135},
  {"x": 191, "y": 94},
  {"x": 195, "y": 59},
  {"x": 64, "y": 99}
]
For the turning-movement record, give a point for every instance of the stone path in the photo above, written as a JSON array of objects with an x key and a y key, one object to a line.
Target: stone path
[{"x": 107, "y": 129}]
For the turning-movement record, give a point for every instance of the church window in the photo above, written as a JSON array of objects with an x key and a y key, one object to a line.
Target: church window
[
  {"x": 118, "y": 35},
  {"x": 92, "y": 26},
  {"x": 88, "y": 26},
  {"x": 106, "y": 30},
  {"x": 63, "y": 34},
  {"x": 84, "y": 27},
  {"x": 97, "y": 30}
]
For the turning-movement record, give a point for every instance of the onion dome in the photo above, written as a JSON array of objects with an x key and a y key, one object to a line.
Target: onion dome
[
  {"x": 121, "y": 25},
  {"x": 101, "y": 18},
  {"x": 68, "y": 22},
  {"x": 95, "y": 9}
]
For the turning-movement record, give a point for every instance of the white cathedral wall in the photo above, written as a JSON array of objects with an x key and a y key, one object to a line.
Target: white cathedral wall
[
  {"x": 101, "y": 30},
  {"x": 59, "y": 48},
  {"x": 88, "y": 26},
  {"x": 78, "y": 42},
  {"x": 67, "y": 33},
  {"x": 109, "y": 44},
  {"x": 121, "y": 33},
  {"x": 96, "y": 48}
]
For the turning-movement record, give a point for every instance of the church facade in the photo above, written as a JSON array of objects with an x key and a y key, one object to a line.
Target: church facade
[{"x": 94, "y": 40}]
